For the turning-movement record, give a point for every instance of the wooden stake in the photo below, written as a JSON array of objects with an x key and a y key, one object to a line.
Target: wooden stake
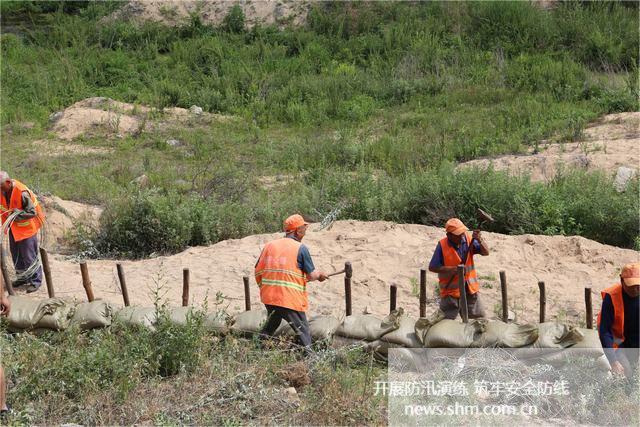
[
  {"x": 247, "y": 294},
  {"x": 123, "y": 284},
  {"x": 5, "y": 272},
  {"x": 589, "y": 305},
  {"x": 185, "y": 287},
  {"x": 423, "y": 292},
  {"x": 464, "y": 310},
  {"x": 347, "y": 288},
  {"x": 86, "y": 282},
  {"x": 47, "y": 272},
  {"x": 505, "y": 303},
  {"x": 393, "y": 292},
  {"x": 543, "y": 301}
]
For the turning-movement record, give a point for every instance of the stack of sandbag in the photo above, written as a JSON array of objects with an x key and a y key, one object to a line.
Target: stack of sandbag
[
  {"x": 321, "y": 328},
  {"x": 27, "y": 312},
  {"x": 366, "y": 328},
  {"x": 92, "y": 315},
  {"x": 145, "y": 317}
]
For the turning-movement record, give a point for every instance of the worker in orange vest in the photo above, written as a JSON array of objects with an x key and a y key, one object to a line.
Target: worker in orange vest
[
  {"x": 282, "y": 272},
  {"x": 619, "y": 321},
  {"x": 458, "y": 247},
  {"x": 23, "y": 238}
]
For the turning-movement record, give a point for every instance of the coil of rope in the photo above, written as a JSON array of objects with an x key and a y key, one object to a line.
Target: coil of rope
[{"x": 37, "y": 262}]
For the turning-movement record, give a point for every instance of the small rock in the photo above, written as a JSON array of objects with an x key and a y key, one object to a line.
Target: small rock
[
  {"x": 623, "y": 176},
  {"x": 367, "y": 310},
  {"x": 174, "y": 143},
  {"x": 511, "y": 316},
  {"x": 27, "y": 125},
  {"x": 196, "y": 110},
  {"x": 142, "y": 181},
  {"x": 292, "y": 394},
  {"x": 53, "y": 118}
]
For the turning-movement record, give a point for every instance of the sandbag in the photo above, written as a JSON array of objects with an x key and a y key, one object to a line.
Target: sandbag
[
  {"x": 557, "y": 335},
  {"x": 368, "y": 327},
  {"x": 405, "y": 335},
  {"x": 217, "y": 322},
  {"x": 323, "y": 327},
  {"x": 249, "y": 321},
  {"x": 60, "y": 318},
  {"x": 141, "y": 316},
  {"x": 509, "y": 335},
  {"x": 591, "y": 347},
  {"x": 27, "y": 312},
  {"x": 423, "y": 324},
  {"x": 92, "y": 315},
  {"x": 453, "y": 334}
]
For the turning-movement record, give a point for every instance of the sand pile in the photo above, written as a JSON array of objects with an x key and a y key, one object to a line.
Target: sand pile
[
  {"x": 212, "y": 12},
  {"x": 62, "y": 215},
  {"x": 608, "y": 144},
  {"x": 381, "y": 253},
  {"x": 99, "y": 116}
]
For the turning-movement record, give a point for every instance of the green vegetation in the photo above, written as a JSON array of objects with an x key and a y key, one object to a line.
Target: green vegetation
[
  {"x": 182, "y": 375},
  {"x": 365, "y": 107}
]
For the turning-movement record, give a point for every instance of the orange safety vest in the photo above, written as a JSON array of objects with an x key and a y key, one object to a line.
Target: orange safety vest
[
  {"x": 448, "y": 285},
  {"x": 282, "y": 283},
  {"x": 21, "y": 228},
  {"x": 615, "y": 292}
]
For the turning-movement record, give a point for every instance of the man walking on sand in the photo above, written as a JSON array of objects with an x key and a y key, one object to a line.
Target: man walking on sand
[
  {"x": 458, "y": 247},
  {"x": 282, "y": 272},
  {"x": 23, "y": 232}
]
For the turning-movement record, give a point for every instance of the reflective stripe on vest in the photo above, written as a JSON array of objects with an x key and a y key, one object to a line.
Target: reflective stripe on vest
[
  {"x": 615, "y": 292},
  {"x": 22, "y": 229},
  {"x": 448, "y": 285},
  {"x": 282, "y": 283}
]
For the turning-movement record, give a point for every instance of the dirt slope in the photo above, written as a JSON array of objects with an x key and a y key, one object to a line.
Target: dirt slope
[
  {"x": 607, "y": 144},
  {"x": 381, "y": 253}
]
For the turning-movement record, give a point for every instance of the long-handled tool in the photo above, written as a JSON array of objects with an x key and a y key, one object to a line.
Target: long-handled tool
[
  {"x": 347, "y": 270},
  {"x": 484, "y": 217}
]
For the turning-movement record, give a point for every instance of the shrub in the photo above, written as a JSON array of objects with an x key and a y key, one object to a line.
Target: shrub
[{"x": 234, "y": 20}]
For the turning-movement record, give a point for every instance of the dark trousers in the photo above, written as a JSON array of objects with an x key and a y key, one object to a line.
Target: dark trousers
[
  {"x": 24, "y": 253},
  {"x": 296, "y": 319}
]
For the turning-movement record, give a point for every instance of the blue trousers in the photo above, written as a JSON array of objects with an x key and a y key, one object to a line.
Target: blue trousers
[{"x": 24, "y": 253}]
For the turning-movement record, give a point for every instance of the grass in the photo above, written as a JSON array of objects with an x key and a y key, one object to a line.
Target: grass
[
  {"x": 352, "y": 106},
  {"x": 121, "y": 376}
]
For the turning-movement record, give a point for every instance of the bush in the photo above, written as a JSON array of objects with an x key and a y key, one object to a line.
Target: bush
[{"x": 234, "y": 20}]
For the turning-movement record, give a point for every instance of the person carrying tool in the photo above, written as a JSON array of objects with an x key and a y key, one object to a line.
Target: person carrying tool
[
  {"x": 23, "y": 232},
  {"x": 458, "y": 247},
  {"x": 5, "y": 308},
  {"x": 282, "y": 272},
  {"x": 619, "y": 321}
]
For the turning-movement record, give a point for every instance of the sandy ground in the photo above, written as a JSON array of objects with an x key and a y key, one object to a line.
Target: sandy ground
[
  {"x": 608, "y": 143},
  {"x": 381, "y": 253},
  {"x": 98, "y": 116},
  {"x": 212, "y": 12}
]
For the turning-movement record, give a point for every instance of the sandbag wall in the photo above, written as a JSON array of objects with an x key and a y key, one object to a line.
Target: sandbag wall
[{"x": 367, "y": 331}]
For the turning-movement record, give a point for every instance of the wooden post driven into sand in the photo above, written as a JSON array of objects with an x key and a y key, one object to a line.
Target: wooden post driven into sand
[
  {"x": 423, "y": 292},
  {"x": 347, "y": 287},
  {"x": 543, "y": 301},
  {"x": 247, "y": 294},
  {"x": 589, "y": 306},
  {"x": 123, "y": 284},
  {"x": 503, "y": 289},
  {"x": 464, "y": 309},
  {"x": 393, "y": 294},
  {"x": 5, "y": 273},
  {"x": 185, "y": 287},
  {"x": 44, "y": 257},
  {"x": 86, "y": 282}
]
